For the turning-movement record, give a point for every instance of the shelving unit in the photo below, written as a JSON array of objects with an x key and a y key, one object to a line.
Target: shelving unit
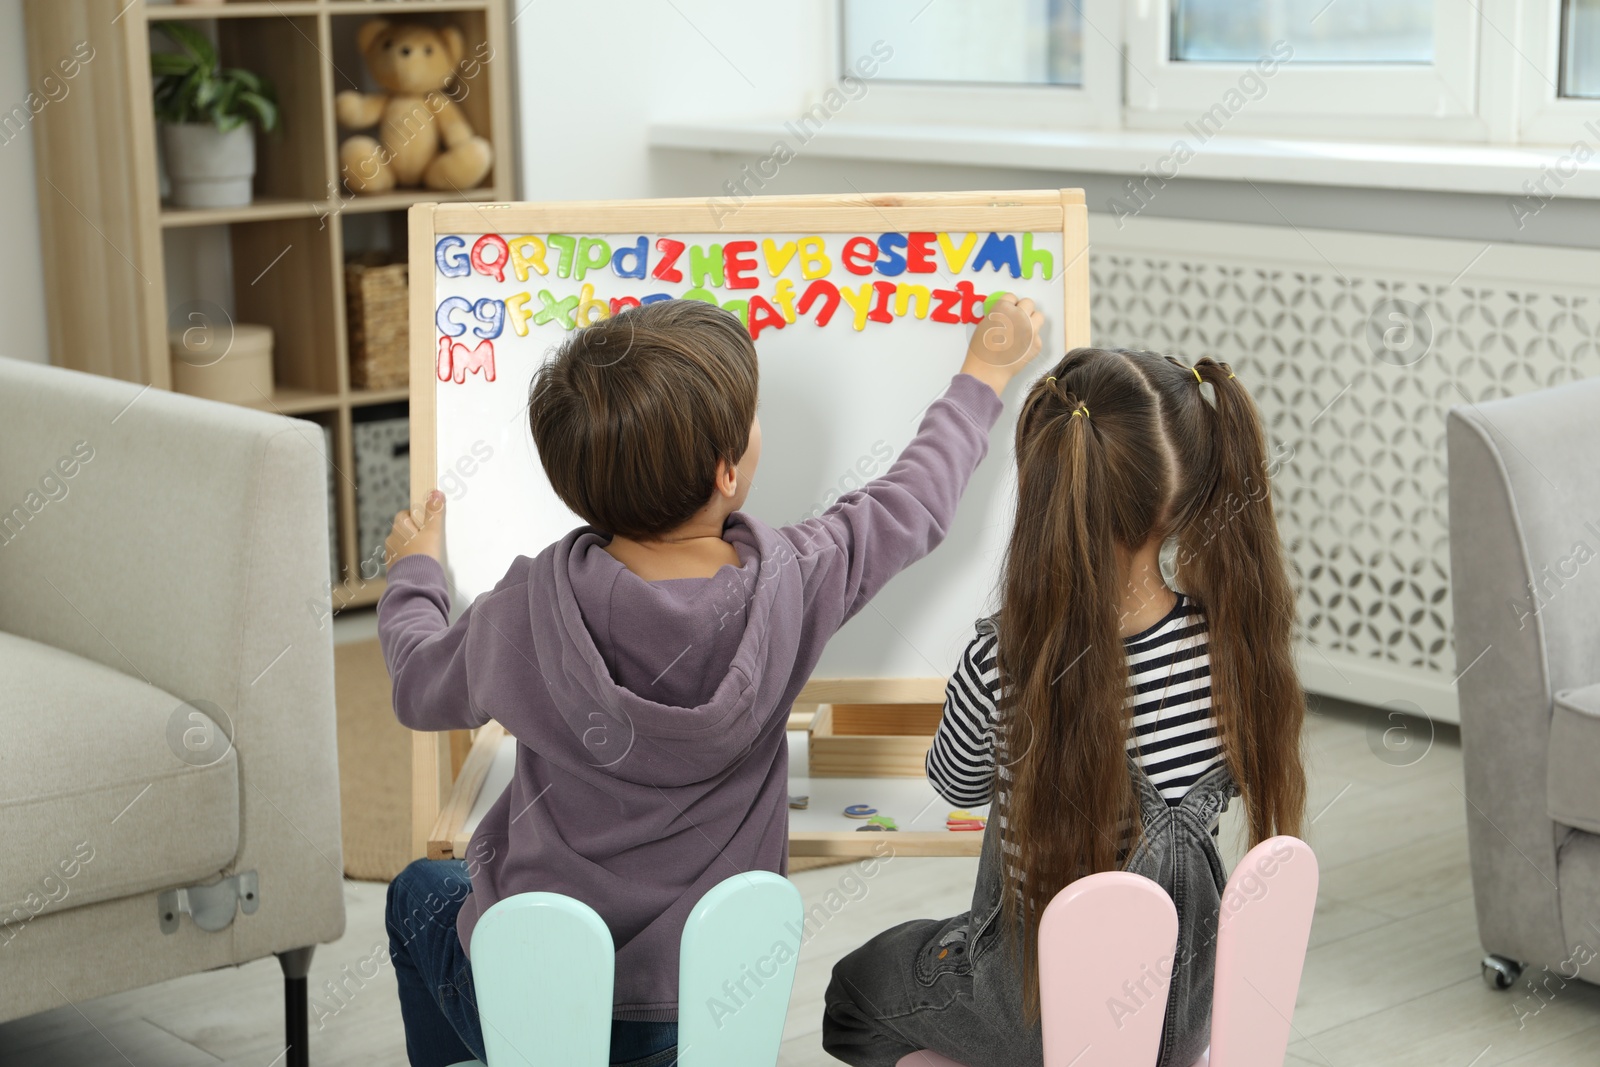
[{"x": 119, "y": 263}]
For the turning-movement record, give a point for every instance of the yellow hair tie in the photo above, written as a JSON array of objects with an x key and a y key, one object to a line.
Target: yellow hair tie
[
  {"x": 1197, "y": 375},
  {"x": 1051, "y": 378},
  {"x": 1083, "y": 409}
]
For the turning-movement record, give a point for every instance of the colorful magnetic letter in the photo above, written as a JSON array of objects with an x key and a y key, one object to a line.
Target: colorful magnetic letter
[
  {"x": 998, "y": 251},
  {"x": 496, "y": 267},
  {"x": 670, "y": 250},
  {"x": 738, "y": 259},
  {"x": 441, "y": 317},
  {"x": 893, "y": 263},
  {"x": 452, "y": 264},
  {"x": 593, "y": 253},
  {"x": 640, "y": 251},
  {"x": 858, "y": 254}
]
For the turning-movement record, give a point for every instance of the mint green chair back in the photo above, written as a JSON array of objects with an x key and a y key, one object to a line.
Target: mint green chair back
[
  {"x": 542, "y": 966},
  {"x": 736, "y": 970}
]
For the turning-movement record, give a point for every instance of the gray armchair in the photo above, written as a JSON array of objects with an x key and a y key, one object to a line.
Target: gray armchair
[
  {"x": 169, "y": 797},
  {"x": 1525, "y": 576}
]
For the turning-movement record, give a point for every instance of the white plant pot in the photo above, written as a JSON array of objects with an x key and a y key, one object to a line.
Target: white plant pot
[{"x": 209, "y": 168}]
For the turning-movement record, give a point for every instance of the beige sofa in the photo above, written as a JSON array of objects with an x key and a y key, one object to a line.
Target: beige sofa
[
  {"x": 1525, "y": 580},
  {"x": 169, "y": 798}
]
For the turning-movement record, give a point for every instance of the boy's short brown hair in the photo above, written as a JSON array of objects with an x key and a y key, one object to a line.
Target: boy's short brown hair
[{"x": 632, "y": 414}]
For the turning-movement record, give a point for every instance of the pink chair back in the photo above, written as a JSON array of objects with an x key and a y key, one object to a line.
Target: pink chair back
[
  {"x": 1261, "y": 949},
  {"x": 926, "y": 1059},
  {"x": 1106, "y": 945},
  {"x": 1103, "y": 943}
]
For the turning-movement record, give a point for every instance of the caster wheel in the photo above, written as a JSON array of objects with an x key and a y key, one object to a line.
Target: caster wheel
[{"x": 1500, "y": 973}]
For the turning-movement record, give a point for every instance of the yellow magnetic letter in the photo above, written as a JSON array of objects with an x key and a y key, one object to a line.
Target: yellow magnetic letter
[
  {"x": 951, "y": 252},
  {"x": 814, "y": 261},
  {"x": 527, "y": 252},
  {"x": 864, "y": 294},
  {"x": 913, "y": 296},
  {"x": 777, "y": 258},
  {"x": 517, "y": 311}
]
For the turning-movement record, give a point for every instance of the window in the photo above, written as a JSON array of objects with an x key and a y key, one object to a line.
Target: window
[
  {"x": 1017, "y": 42},
  {"x": 1342, "y": 31},
  {"x": 1557, "y": 99},
  {"x": 1370, "y": 69},
  {"x": 1580, "y": 48},
  {"x": 1042, "y": 63},
  {"x": 1444, "y": 71}
]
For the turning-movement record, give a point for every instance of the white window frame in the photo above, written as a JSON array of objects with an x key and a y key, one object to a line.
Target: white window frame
[
  {"x": 1435, "y": 102},
  {"x": 1096, "y": 104},
  {"x": 1542, "y": 115}
]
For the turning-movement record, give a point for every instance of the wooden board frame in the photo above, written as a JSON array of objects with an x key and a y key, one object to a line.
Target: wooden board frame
[
  {"x": 435, "y": 757},
  {"x": 450, "y": 836}
]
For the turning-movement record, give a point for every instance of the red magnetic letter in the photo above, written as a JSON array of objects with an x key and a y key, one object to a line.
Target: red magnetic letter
[
  {"x": 880, "y": 310},
  {"x": 735, "y": 263},
  {"x": 496, "y": 267},
  {"x": 859, "y": 254},
  {"x": 970, "y": 300},
  {"x": 670, "y": 251},
  {"x": 763, "y": 315},
  {"x": 620, "y": 302},
  {"x": 830, "y": 299},
  {"x": 946, "y": 302},
  {"x": 919, "y": 253}
]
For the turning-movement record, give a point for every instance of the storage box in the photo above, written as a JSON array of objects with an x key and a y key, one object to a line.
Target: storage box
[
  {"x": 234, "y": 366},
  {"x": 872, "y": 740},
  {"x": 379, "y": 308},
  {"x": 383, "y": 483}
]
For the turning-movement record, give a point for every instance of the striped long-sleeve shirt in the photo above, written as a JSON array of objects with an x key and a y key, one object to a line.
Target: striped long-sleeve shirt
[{"x": 1174, "y": 732}]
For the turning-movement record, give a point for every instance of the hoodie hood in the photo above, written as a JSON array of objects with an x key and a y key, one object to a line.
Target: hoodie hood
[{"x": 664, "y": 683}]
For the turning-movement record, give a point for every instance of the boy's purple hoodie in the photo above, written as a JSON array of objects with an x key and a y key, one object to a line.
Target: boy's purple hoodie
[{"x": 652, "y": 762}]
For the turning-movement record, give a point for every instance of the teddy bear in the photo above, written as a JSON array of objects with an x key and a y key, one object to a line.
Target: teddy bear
[{"x": 414, "y": 62}]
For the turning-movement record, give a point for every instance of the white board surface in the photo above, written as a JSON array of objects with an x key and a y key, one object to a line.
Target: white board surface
[{"x": 838, "y": 402}]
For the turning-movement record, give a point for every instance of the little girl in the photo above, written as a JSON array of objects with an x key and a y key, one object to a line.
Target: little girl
[{"x": 1109, "y": 717}]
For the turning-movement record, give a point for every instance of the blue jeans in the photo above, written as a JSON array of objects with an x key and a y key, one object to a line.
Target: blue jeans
[{"x": 437, "y": 1002}]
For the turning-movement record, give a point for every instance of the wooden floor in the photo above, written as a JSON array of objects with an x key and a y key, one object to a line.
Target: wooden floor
[{"x": 1391, "y": 977}]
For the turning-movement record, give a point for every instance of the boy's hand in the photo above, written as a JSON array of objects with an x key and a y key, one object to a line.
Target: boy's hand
[
  {"x": 1007, "y": 338},
  {"x": 407, "y": 538}
]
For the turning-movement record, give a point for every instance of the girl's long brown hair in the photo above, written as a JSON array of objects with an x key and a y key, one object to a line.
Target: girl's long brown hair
[{"x": 1115, "y": 448}]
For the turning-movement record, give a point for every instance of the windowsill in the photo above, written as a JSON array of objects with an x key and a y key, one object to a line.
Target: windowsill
[{"x": 1499, "y": 170}]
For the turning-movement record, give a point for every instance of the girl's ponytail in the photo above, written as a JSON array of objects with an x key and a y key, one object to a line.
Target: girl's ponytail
[
  {"x": 1118, "y": 450},
  {"x": 1060, "y": 648},
  {"x": 1231, "y": 560}
]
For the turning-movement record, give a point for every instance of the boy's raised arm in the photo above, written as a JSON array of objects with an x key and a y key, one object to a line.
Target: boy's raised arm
[
  {"x": 426, "y": 655},
  {"x": 855, "y": 547}
]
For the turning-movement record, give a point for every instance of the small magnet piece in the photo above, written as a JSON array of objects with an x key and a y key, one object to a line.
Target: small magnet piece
[
  {"x": 871, "y": 826},
  {"x": 883, "y": 821},
  {"x": 799, "y": 801},
  {"x": 962, "y": 819},
  {"x": 860, "y": 811}
]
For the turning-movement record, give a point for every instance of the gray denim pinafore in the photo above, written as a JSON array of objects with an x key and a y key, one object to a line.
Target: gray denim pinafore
[{"x": 955, "y": 987}]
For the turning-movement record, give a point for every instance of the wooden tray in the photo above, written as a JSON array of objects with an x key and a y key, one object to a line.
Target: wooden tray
[{"x": 872, "y": 740}]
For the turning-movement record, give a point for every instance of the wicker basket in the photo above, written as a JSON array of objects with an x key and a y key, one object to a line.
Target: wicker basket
[{"x": 379, "y": 309}]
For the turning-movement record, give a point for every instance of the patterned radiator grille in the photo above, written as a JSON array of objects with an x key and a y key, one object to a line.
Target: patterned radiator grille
[{"x": 1360, "y": 396}]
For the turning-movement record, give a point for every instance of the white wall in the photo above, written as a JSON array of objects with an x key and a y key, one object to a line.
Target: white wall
[
  {"x": 584, "y": 113},
  {"x": 21, "y": 286}
]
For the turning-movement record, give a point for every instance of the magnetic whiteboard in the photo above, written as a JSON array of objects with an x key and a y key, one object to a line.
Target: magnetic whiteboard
[{"x": 860, "y": 308}]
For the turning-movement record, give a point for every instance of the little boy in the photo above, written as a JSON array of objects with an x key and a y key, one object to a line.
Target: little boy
[{"x": 646, "y": 663}]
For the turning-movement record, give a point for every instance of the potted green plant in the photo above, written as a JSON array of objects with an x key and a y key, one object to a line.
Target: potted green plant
[{"x": 206, "y": 114}]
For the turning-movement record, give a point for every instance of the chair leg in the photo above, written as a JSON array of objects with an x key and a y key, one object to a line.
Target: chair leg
[{"x": 296, "y": 964}]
